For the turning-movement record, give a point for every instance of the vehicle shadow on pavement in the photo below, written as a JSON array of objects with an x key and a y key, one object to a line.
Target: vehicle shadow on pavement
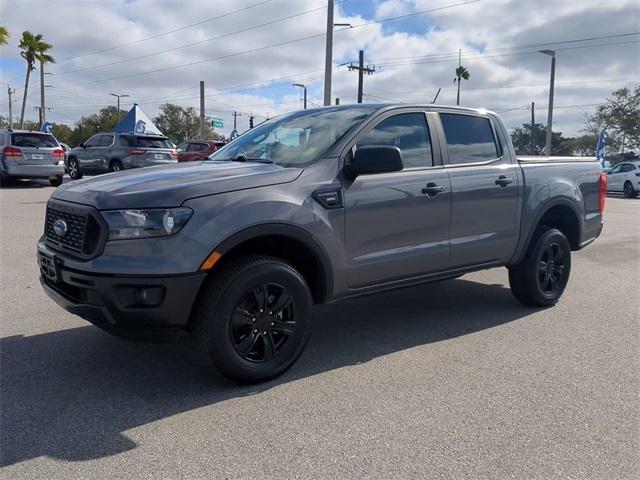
[{"x": 71, "y": 394}]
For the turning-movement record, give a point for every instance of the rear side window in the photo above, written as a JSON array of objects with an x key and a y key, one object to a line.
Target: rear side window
[
  {"x": 127, "y": 140},
  {"x": 469, "y": 138},
  {"x": 40, "y": 140},
  {"x": 627, "y": 167},
  {"x": 152, "y": 142},
  {"x": 408, "y": 132}
]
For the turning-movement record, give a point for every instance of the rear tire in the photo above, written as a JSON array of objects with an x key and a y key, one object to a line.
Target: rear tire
[
  {"x": 542, "y": 275},
  {"x": 4, "y": 181},
  {"x": 74, "y": 169},
  {"x": 56, "y": 181},
  {"x": 254, "y": 316},
  {"x": 629, "y": 191},
  {"x": 115, "y": 166}
]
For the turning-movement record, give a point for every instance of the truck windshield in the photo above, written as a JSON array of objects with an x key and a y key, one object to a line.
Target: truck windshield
[{"x": 296, "y": 139}]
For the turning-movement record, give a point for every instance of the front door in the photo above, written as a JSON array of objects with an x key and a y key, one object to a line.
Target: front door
[
  {"x": 485, "y": 189},
  {"x": 397, "y": 224}
]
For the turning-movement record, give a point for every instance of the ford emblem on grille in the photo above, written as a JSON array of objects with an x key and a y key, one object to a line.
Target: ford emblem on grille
[{"x": 60, "y": 227}]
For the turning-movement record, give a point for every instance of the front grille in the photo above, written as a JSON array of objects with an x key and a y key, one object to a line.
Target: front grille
[{"x": 83, "y": 235}]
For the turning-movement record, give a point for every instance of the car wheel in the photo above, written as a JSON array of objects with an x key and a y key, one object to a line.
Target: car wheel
[
  {"x": 56, "y": 181},
  {"x": 254, "y": 316},
  {"x": 542, "y": 275},
  {"x": 4, "y": 181},
  {"x": 629, "y": 191},
  {"x": 74, "y": 169},
  {"x": 115, "y": 166}
]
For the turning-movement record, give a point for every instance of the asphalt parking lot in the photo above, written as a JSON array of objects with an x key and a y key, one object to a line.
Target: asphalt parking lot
[{"x": 450, "y": 380}]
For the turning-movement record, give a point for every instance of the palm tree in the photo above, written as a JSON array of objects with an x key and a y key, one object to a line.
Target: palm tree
[
  {"x": 32, "y": 48},
  {"x": 43, "y": 58},
  {"x": 461, "y": 74},
  {"x": 4, "y": 35}
]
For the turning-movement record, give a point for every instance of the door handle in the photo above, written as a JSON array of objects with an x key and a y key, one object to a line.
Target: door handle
[
  {"x": 503, "y": 181},
  {"x": 431, "y": 190}
]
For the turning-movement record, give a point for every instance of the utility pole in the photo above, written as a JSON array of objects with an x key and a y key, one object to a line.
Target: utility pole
[
  {"x": 547, "y": 146},
  {"x": 328, "y": 60},
  {"x": 41, "y": 113},
  {"x": 10, "y": 91},
  {"x": 533, "y": 126},
  {"x": 202, "y": 116},
  {"x": 369, "y": 69}
]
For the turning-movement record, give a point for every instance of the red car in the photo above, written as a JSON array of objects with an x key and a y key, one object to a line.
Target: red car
[{"x": 197, "y": 149}]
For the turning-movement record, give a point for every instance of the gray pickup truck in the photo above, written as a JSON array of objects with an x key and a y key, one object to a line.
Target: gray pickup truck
[{"x": 311, "y": 207}]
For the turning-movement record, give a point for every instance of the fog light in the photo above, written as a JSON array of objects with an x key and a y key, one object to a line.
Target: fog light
[{"x": 150, "y": 296}]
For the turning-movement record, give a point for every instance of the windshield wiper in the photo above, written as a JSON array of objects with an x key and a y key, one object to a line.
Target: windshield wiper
[{"x": 244, "y": 158}]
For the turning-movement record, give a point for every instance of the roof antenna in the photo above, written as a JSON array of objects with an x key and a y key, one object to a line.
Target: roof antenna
[{"x": 436, "y": 97}]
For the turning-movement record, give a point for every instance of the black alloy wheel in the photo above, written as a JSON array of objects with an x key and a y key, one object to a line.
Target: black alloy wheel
[
  {"x": 551, "y": 269},
  {"x": 262, "y": 323}
]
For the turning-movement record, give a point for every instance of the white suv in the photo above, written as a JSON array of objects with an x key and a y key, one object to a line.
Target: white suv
[{"x": 624, "y": 177}]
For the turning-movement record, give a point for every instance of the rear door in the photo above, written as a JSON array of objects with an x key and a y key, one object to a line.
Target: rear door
[
  {"x": 87, "y": 155},
  {"x": 37, "y": 148},
  {"x": 485, "y": 190},
  {"x": 394, "y": 229}
]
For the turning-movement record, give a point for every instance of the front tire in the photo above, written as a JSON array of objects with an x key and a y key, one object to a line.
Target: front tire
[
  {"x": 629, "y": 191},
  {"x": 115, "y": 166},
  {"x": 255, "y": 318},
  {"x": 56, "y": 181},
  {"x": 542, "y": 275},
  {"x": 74, "y": 169}
]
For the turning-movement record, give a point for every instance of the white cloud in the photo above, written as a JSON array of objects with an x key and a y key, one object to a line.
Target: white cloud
[{"x": 411, "y": 54}]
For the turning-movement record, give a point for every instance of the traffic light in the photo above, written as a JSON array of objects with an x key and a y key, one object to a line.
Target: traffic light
[{"x": 251, "y": 121}]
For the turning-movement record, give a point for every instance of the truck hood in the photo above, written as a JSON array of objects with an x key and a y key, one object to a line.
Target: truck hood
[{"x": 170, "y": 185}]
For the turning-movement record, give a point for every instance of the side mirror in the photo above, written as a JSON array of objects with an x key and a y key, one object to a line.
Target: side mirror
[
  {"x": 375, "y": 159},
  {"x": 82, "y": 145}
]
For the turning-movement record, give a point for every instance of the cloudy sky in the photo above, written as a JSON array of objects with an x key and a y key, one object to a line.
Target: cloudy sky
[{"x": 249, "y": 52}]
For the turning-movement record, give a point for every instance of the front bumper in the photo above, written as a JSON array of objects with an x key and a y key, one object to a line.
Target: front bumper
[
  {"x": 116, "y": 303},
  {"x": 34, "y": 171}
]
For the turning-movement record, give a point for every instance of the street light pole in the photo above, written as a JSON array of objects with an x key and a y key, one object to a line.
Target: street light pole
[
  {"x": 118, "y": 96},
  {"x": 547, "y": 146},
  {"x": 328, "y": 60},
  {"x": 304, "y": 87}
]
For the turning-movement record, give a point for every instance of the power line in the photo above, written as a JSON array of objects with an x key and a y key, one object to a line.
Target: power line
[
  {"x": 185, "y": 27},
  {"x": 259, "y": 49},
  {"x": 206, "y": 40}
]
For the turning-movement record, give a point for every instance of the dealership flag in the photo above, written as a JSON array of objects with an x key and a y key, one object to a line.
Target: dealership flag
[
  {"x": 137, "y": 122},
  {"x": 602, "y": 139}
]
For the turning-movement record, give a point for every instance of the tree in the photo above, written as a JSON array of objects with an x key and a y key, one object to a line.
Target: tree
[
  {"x": 103, "y": 121},
  {"x": 4, "y": 35},
  {"x": 620, "y": 115},
  {"x": 63, "y": 133},
  {"x": 181, "y": 123},
  {"x": 30, "y": 47},
  {"x": 521, "y": 138},
  {"x": 461, "y": 74}
]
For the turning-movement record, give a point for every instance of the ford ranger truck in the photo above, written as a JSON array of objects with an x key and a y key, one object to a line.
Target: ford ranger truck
[{"x": 313, "y": 206}]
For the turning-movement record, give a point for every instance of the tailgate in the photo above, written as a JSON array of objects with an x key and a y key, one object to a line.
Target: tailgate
[{"x": 37, "y": 148}]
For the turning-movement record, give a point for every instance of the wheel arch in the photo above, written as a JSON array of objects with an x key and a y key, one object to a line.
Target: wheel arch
[
  {"x": 289, "y": 243},
  {"x": 561, "y": 214}
]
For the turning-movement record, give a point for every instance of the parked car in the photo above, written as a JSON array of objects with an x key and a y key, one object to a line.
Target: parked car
[
  {"x": 625, "y": 178},
  {"x": 30, "y": 154},
  {"x": 314, "y": 206},
  {"x": 112, "y": 152},
  {"x": 197, "y": 149}
]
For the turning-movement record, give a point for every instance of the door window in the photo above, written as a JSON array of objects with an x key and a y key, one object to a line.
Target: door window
[
  {"x": 407, "y": 131},
  {"x": 469, "y": 138},
  {"x": 93, "y": 141},
  {"x": 106, "y": 140},
  {"x": 627, "y": 167},
  {"x": 197, "y": 147}
]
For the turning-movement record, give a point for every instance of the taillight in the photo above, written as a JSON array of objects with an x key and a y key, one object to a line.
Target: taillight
[
  {"x": 603, "y": 191},
  {"x": 58, "y": 153},
  {"x": 135, "y": 152},
  {"x": 12, "y": 152},
  {"x": 173, "y": 153}
]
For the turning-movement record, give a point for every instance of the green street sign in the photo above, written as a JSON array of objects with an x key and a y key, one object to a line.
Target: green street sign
[{"x": 217, "y": 123}]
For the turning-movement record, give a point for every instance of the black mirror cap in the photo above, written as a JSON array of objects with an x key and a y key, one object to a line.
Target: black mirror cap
[{"x": 375, "y": 159}]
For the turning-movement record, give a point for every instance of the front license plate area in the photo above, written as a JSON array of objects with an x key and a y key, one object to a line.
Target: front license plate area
[{"x": 48, "y": 267}]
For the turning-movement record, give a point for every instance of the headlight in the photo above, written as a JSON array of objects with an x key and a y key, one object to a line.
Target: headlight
[{"x": 125, "y": 224}]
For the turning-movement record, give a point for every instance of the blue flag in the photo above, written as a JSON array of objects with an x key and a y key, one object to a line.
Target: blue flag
[
  {"x": 602, "y": 139},
  {"x": 47, "y": 127}
]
